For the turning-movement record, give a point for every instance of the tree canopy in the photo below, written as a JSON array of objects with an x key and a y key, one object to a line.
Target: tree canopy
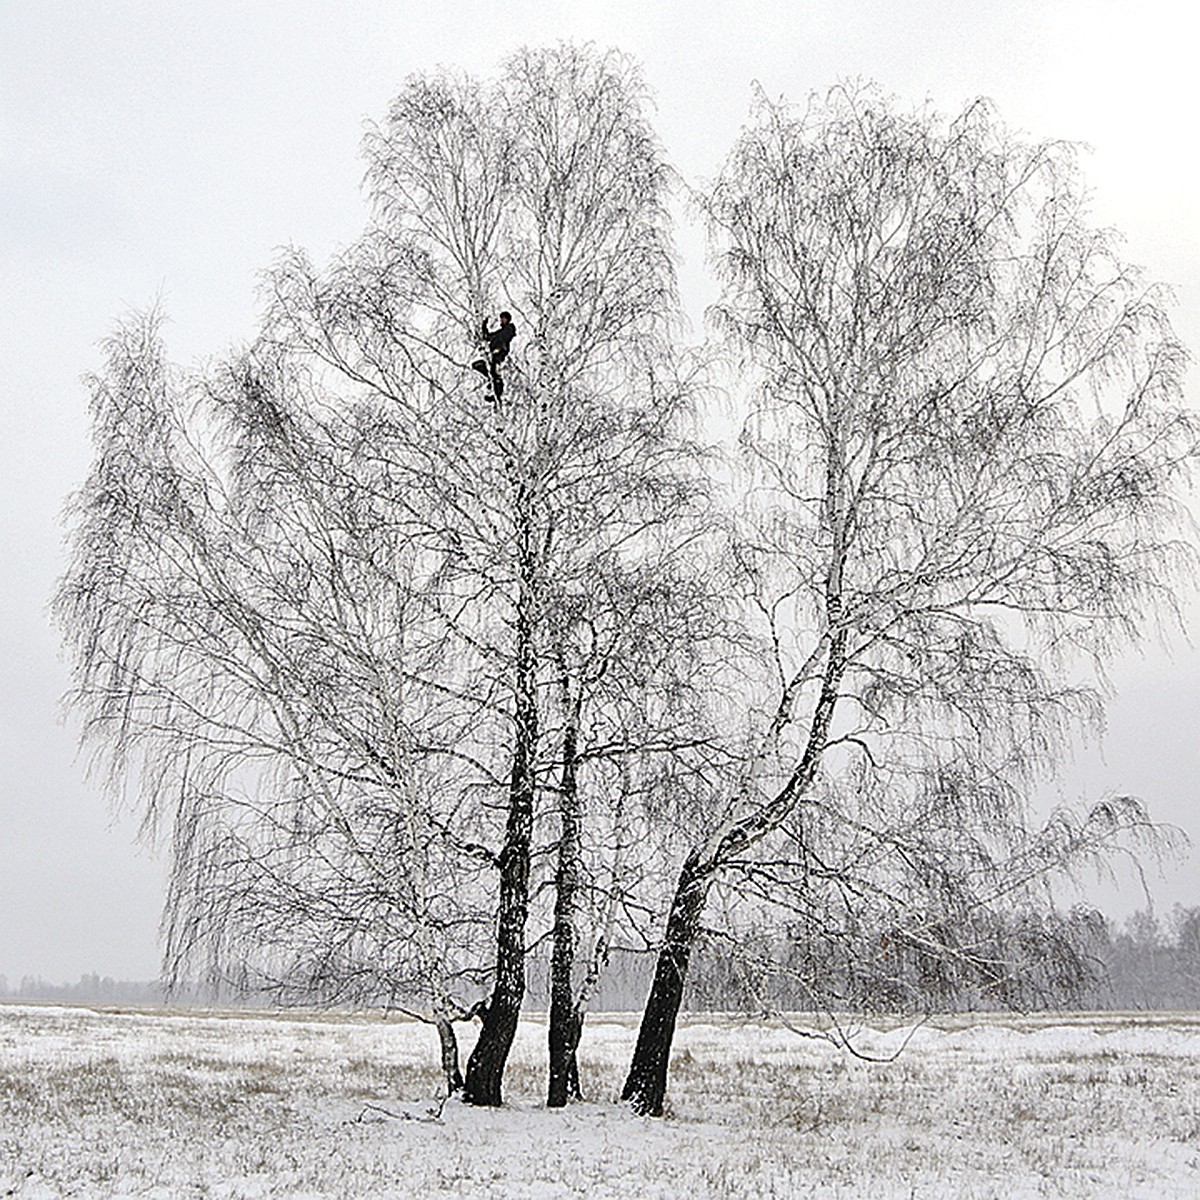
[{"x": 413, "y": 679}]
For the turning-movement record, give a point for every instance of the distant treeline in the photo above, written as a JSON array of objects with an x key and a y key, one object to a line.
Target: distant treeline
[
  {"x": 100, "y": 989},
  {"x": 1148, "y": 962},
  {"x": 1026, "y": 962},
  {"x": 1151, "y": 963}
]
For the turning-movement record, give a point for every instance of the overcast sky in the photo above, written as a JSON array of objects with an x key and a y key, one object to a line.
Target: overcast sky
[{"x": 151, "y": 149}]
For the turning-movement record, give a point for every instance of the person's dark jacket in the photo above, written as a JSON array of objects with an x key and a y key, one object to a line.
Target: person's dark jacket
[{"x": 499, "y": 340}]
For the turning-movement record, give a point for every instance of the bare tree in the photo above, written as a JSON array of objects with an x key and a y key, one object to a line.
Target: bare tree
[
  {"x": 548, "y": 191},
  {"x": 636, "y": 669},
  {"x": 258, "y": 631},
  {"x": 589, "y": 256},
  {"x": 328, "y": 601},
  {"x": 963, "y": 453}
]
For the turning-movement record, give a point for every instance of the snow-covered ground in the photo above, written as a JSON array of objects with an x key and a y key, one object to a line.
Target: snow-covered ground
[{"x": 124, "y": 1104}]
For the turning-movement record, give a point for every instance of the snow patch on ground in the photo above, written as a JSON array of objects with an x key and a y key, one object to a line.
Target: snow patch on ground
[{"x": 172, "y": 1106}]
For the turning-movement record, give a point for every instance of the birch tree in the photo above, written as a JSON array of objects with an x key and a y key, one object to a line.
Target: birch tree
[
  {"x": 963, "y": 456},
  {"x": 258, "y": 642},
  {"x": 327, "y": 599},
  {"x": 545, "y": 196}
]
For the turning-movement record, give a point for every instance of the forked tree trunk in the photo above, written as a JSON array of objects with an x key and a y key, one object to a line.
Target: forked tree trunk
[
  {"x": 566, "y": 1019},
  {"x": 485, "y": 1067},
  {"x": 646, "y": 1084}
]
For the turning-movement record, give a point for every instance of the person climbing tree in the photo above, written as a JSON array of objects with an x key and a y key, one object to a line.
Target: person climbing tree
[{"x": 498, "y": 341}]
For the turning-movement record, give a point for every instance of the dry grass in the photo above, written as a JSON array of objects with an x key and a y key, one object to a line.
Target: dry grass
[{"x": 188, "y": 1105}]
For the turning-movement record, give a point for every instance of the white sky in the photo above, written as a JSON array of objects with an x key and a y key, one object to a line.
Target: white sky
[{"x": 149, "y": 148}]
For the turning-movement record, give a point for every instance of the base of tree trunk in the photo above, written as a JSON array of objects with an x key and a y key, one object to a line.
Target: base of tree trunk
[
  {"x": 646, "y": 1084},
  {"x": 485, "y": 1067},
  {"x": 564, "y": 1066},
  {"x": 449, "y": 1047}
]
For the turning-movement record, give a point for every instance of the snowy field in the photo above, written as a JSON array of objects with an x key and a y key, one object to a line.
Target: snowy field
[{"x": 143, "y": 1104}]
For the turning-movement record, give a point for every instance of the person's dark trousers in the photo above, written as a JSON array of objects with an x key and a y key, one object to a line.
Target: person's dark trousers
[{"x": 491, "y": 374}]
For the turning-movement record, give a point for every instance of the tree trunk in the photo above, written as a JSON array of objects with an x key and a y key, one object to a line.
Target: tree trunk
[
  {"x": 574, "y": 1091},
  {"x": 449, "y": 1044},
  {"x": 646, "y": 1084},
  {"x": 485, "y": 1067},
  {"x": 565, "y": 1032},
  {"x": 566, "y": 1020}
]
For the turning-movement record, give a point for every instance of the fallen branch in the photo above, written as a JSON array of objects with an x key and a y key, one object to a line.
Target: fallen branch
[{"x": 432, "y": 1116}]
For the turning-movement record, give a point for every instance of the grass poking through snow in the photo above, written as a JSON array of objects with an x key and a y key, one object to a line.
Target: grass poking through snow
[{"x": 168, "y": 1106}]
